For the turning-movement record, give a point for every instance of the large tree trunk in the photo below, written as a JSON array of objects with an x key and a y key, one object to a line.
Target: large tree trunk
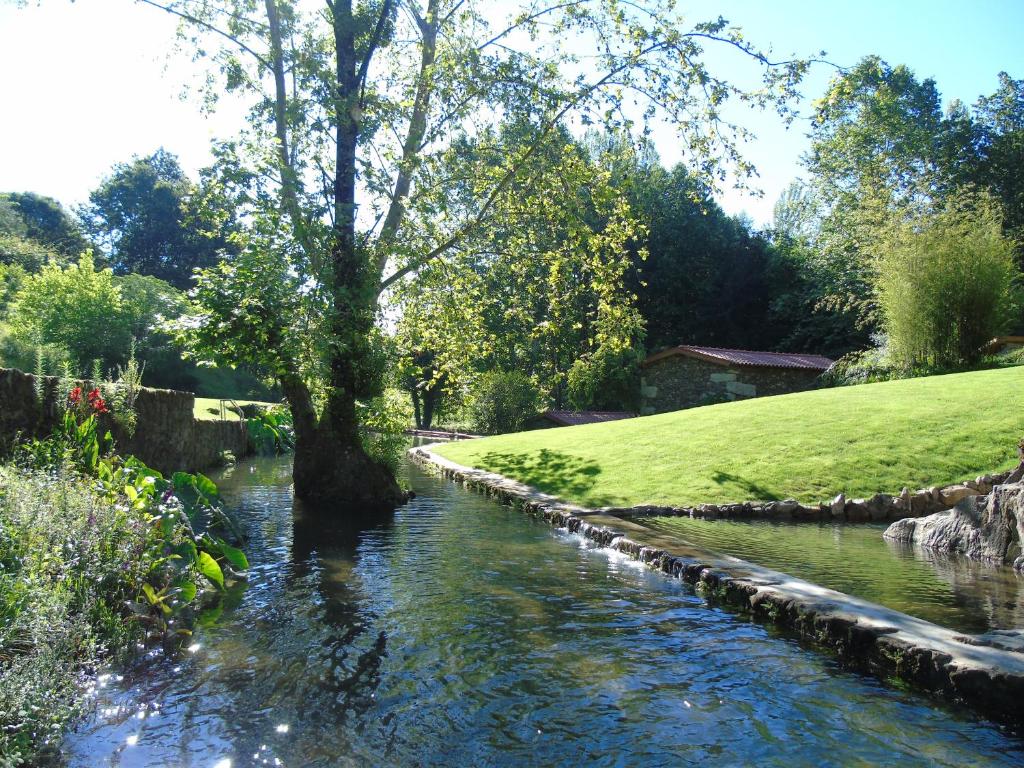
[
  {"x": 331, "y": 471},
  {"x": 331, "y": 468}
]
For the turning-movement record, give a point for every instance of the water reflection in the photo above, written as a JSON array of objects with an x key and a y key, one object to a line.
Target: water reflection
[
  {"x": 947, "y": 589},
  {"x": 459, "y": 632}
]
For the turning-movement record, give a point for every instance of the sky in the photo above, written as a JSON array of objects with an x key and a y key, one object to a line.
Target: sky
[{"x": 91, "y": 83}]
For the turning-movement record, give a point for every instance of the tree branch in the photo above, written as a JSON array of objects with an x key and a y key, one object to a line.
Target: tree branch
[
  {"x": 375, "y": 41},
  {"x": 207, "y": 26},
  {"x": 414, "y": 137},
  {"x": 514, "y": 169}
]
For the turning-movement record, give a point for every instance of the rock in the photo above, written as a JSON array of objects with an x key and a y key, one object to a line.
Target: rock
[
  {"x": 988, "y": 528},
  {"x": 879, "y": 506},
  {"x": 903, "y": 503},
  {"x": 807, "y": 512},
  {"x": 953, "y": 494},
  {"x": 1016, "y": 475},
  {"x": 920, "y": 503},
  {"x": 838, "y": 506},
  {"x": 788, "y": 506},
  {"x": 857, "y": 511}
]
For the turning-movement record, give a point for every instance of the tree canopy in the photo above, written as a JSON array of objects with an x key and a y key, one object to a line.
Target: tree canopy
[
  {"x": 149, "y": 218},
  {"x": 359, "y": 112}
]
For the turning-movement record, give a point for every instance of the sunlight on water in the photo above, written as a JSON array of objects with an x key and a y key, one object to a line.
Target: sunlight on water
[{"x": 459, "y": 632}]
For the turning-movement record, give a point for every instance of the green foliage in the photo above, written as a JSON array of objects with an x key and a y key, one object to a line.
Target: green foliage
[
  {"x": 44, "y": 221},
  {"x": 383, "y": 421},
  {"x": 606, "y": 380},
  {"x": 124, "y": 391},
  {"x": 946, "y": 284},
  {"x": 79, "y": 309},
  {"x": 271, "y": 430},
  {"x": 707, "y": 276},
  {"x": 97, "y": 553},
  {"x": 882, "y": 150},
  {"x": 11, "y": 278},
  {"x": 148, "y": 219},
  {"x": 876, "y": 132},
  {"x": 27, "y": 254},
  {"x": 544, "y": 285},
  {"x": 457, "y": 118},
  {"x": 502, "y": 401},
  {"x": 250, "y": 309}
]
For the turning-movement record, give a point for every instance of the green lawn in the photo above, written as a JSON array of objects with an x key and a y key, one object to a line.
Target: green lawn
[
  {"x": 809, "y": 446},
  {"x": 208, "y": 408}
]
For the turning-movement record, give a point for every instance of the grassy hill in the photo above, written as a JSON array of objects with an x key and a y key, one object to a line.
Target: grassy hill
[
  {"x": 808, "y": 446},
  {"x": 208, "y": 408}
]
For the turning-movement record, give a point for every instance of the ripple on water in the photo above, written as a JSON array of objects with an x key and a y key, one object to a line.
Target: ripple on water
[{"x": 460, "y": 632}]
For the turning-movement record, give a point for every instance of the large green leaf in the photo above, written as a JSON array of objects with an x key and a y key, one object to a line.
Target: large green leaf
[
  {"x": 209, "y": 568},
  {"x": 188, "y": 591},
  {"x": 234, "y": 556},
  {"x": 206, "y": 486}
]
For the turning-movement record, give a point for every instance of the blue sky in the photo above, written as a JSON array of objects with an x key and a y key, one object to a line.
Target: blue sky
[{"x": 89, "y": 83}]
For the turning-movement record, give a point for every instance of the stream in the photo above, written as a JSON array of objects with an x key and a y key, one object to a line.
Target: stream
[{"x": 461, "y": 632}]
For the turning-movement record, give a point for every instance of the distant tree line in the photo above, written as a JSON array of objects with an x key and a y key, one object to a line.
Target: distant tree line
[
  {"x": 901, "y": 249},
  {"x": 80, "y": 289}
]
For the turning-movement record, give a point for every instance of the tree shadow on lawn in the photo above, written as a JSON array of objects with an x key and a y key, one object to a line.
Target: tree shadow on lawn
[
  {"x": 754, "y": 491},
  {"x": 550, "y": 471}
]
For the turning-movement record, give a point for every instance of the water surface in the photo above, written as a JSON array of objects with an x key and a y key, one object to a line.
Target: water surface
[
  {"x": 950, "y": 590},
  {"x": 460, "y": 632}
]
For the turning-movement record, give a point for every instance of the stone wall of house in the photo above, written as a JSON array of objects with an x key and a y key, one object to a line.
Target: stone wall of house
[
  {"x": 167, "y": 436},
  {"x": 677, "y": 382}
]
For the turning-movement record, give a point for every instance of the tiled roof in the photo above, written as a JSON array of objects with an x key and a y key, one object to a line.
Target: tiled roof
[
  {"x": 999, "y": 343},
  {"x": 572, "y": 418},
  {"x": 747, "y": 357}
]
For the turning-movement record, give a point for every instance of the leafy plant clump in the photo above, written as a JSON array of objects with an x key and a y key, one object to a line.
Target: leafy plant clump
[
  {"x": 97, "y": 555},
  {"x": 502, "y": 402},
  {"x": 270, "y": 429}
]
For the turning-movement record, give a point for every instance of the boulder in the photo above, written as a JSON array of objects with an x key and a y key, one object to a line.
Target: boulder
[
  {"x": 953, "y": 494},
  {"x": 838, "y": 506},
  {"x": 857, "y": 511},
  {"x": 903, "y": 502},
  {"x": 982, "y": 527}
]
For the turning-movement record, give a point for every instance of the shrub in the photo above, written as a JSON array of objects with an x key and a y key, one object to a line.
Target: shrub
[
  {"x": 502, "y": 401},
  {"x": 97, "y": 553},
  {"x": 270, "y": 429},
  {"x": 945, "y": 284},
  {"x": 78, "y": 309},
  {"x": 606, "y": 380}
]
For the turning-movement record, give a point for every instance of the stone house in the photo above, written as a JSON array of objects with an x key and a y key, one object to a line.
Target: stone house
[{"x": 686, "y": 376}]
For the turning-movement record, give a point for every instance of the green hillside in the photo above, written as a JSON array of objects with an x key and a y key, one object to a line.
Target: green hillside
[{"x": 808, "y": 446}]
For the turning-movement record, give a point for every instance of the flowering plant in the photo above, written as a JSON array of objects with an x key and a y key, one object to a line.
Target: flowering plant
[{"x": 92, "y": 403}]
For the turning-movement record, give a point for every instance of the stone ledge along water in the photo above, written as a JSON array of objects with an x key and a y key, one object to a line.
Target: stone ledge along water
[{"x": 978, "y": 670}]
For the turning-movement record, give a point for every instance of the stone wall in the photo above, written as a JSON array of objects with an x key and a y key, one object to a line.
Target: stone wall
[
  {"x": 677, "y": 382},
  {"x": 167, "y": 436}
]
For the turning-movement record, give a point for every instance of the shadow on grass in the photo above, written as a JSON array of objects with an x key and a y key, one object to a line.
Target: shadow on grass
[
  {"x": 752, "y": 491},
  {"x": 560, "y": 474}
]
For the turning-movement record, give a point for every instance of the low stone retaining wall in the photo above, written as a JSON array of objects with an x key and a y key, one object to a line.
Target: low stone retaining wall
[
  {"x": 880, "y": 507},
  {"x": 985, "y": 672},
  {"x": 167, "y": 436}
]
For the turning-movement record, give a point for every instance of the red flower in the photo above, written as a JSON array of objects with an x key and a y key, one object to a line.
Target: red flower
[
  {"x": 94, "y": 396},
  {"x": 75, "y": 395}
]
